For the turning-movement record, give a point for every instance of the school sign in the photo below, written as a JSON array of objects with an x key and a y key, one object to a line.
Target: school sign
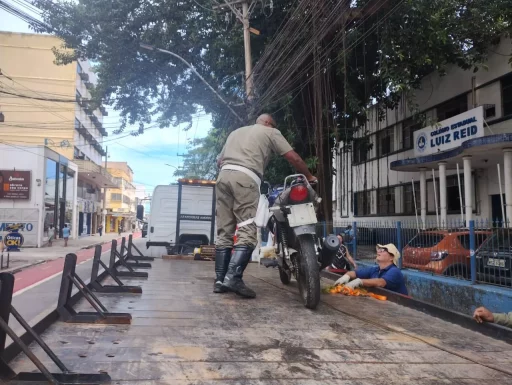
[{"x": 449, "y": 133}]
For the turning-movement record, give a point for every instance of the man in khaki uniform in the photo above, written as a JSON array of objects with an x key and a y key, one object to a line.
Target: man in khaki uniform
[{"x": 242, "y": 161}]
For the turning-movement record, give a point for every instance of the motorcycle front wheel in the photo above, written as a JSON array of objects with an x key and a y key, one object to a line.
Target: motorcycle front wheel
[
  {"x": 309, "y": 272},
  {"x": 285, "y": 275}
]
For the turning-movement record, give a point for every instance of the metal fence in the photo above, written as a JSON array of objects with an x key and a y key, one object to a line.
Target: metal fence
[{"x": 480, "y": 251}]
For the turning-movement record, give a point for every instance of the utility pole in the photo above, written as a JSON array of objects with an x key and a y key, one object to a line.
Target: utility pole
[
  {"x": 249, "y": 80},
  {"x": 243, "y": 17},
  {"x": 104, "y": 211}
]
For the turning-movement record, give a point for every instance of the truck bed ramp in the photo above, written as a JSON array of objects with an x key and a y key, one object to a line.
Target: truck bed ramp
[{"x": 182, "y": 333}]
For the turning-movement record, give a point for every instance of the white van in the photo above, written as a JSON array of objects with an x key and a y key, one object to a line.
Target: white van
[{"x": 182, "y": 217}]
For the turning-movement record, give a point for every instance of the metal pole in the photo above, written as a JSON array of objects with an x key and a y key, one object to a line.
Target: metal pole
[
  {"x": 468, "y": 186},
  {"x": 460, "y": 195},
  {"x": 151, "y": 48},
  {"x": 435, "y": 197},
  {"x": 399, "y": 240},
  {"x": 442, "y": 193},
  {"x": 415, "y": 207},
  {"x": 249, "y": 82},
  {"x": 507, "y": 170},
  {"x": 472, "y": 250},
  {"x": 423, "y": 196},
  {"x": 103, "y": 212},
  {"x": 354, "y": 239},
  {"x": 505, "y": 220}
]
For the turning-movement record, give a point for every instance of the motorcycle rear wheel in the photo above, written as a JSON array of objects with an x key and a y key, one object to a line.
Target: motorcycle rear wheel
[{"x": 309, "y": 272}]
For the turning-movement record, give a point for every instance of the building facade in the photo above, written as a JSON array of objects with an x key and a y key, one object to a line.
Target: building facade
[
  {"x": 43, "y": 192},
  {"x": 121, "y": 202},
  {"x": 45, "y": 104},
  {"x": 398, "y": 169}
]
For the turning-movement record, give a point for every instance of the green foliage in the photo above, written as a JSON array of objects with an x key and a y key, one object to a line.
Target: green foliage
[{"x": 387, "y": 58}]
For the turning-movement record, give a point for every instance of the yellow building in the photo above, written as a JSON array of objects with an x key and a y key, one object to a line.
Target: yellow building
[
  {"x": 121, "y": 202},
  {"x": 44, "y": 104}
]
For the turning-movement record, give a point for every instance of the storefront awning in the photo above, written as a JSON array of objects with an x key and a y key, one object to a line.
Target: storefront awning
[
  {"x": 484, "y": 151},
  {"x": 95, "y": 174},
  {"x": 123, "y": 215}
]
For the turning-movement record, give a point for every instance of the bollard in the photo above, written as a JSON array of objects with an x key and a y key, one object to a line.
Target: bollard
[
  {"x": 472, "y": 245},
  {"x": 113, "y": 264},
  {"x": 7, "y": 375},
  {"x": 399, "y": 243},
  {"x": 97, "y": 286},
  {"x": 65, "y": 308}
]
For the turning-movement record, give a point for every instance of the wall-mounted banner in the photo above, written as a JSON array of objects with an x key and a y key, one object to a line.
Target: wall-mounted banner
[
  {"x": 449, "y": 133},
  {"x": 14, "y": 240},
  {"x": 14, "y": 184}
]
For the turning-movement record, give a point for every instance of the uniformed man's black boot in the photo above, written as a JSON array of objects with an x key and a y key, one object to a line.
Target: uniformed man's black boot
[
  {"x": 222, "y": 258},
  {"x": 233, "y": 280}
]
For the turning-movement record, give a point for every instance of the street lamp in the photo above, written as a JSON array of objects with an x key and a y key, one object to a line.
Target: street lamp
[
  {"x": 153, "y": 48},
  {"x": 170, "y": 165}
]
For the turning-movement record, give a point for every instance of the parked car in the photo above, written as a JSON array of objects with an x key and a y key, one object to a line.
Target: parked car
[
  {"x": 494, "y": 257},
  {"x": 145, "y": 230},
  {"x": 444, "y": 252}
]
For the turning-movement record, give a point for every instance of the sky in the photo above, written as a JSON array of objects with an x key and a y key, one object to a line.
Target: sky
[{"x": 146, "y": 154}]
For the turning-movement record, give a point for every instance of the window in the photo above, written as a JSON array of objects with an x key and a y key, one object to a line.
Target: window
[
  {"x": 386, "y": 201},
  {"x": 361, "y": 148},
  {"x": 506, "y": 94},
  {"x": 78, "y": 68},
  {"x": 408, "y": 128},
  {"x": 77, "y": 124},
  {"x": 385, "y": 141},
  {"x": 489, "y": 111},
  {"x": 362, "y": 205},
  {"x": 452, "y": 107},
  {"x": 116, "y": 197},
  {"x": 77, "y": 154},
  {"x": 126, "y": 200},
  {"x": 409, "y": 207},
  {"x": 479, "y": 239},
  {"x": 452, "y": 193},
  {"x": 424, "y": 240}
]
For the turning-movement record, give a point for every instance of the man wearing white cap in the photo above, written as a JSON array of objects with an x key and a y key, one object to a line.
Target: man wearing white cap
[{"x": 385, "y": 274}]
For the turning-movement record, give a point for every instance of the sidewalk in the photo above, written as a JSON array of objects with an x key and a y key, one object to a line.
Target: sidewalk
[{"x": 32, "y": 256}]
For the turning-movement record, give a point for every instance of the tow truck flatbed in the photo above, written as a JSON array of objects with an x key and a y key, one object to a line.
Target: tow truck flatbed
[{"x": 182, "y": 333}]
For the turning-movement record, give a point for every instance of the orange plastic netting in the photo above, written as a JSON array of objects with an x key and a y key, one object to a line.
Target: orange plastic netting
[{"x": 358, "y": 292}]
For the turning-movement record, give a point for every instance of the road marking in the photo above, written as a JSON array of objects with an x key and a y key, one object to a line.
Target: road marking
[
  {"x": 46, "y": 279},
  {"x": 35, "y": 284}
]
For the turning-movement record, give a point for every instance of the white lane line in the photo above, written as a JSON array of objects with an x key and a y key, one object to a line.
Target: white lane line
[{"x": 47, "y": 279}]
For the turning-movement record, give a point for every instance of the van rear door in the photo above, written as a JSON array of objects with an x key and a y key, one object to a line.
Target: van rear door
[
  {"x": 196, "y": 213},
  {"x": 162, "y": 220}
]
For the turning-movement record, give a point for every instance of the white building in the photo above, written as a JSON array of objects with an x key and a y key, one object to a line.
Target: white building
[
  {"x": 50, "y": 192},
  {"x": 45, "y": 104},
  {"x": 375, "y": 173}
]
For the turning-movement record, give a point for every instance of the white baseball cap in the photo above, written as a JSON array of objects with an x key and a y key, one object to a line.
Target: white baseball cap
[{"x": 391, "y": 248}]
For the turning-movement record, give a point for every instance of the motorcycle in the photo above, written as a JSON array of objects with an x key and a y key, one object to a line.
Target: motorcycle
[{"x": 300, "y": 252}]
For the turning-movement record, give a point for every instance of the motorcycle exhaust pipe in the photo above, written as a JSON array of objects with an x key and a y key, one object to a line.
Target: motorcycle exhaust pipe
[{"x": 329, "y": 249}]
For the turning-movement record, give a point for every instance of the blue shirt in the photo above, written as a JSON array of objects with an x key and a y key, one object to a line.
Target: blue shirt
[
  {"x": 391, "y": 274},
  {"x": 65, "y": 232}
]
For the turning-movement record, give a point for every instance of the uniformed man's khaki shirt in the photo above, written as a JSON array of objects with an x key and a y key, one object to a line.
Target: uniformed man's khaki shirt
[{"x": 252, "y": 146}]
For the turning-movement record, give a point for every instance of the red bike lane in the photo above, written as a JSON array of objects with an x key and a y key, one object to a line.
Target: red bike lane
[{"x": 38, "y": 273}]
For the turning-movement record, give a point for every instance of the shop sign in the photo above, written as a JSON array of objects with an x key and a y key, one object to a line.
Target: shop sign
[
  {"x": 449, "y": 133},
  {"x": 14, "y": 184}
]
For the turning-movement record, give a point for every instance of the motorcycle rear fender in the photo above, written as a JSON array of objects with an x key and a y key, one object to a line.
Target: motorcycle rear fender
[{"x": 304, "y": 229}]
